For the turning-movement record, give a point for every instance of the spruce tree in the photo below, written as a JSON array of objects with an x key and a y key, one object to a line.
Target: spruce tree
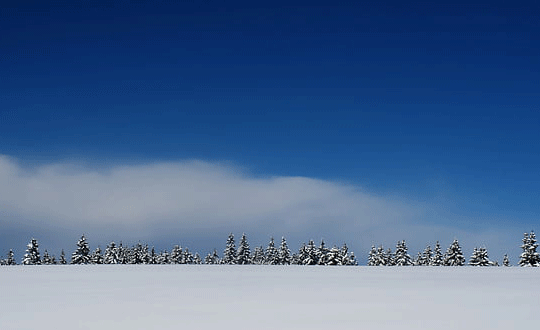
[
  {"x": 284, "y": 252},
  {"x": 197, "y": 259},
  {"x": 111, "y": 254},
  {"x": 333, "y": 257},
  {"x": 372, "y": 256},
  {"x": 97, "y": 258},
  {"x": 479, "y": 258},
  {"x": 529, "y": 257},
  {"x": 177, "y": 255},
  {"x": 438, "y": 258},
  {"x": 389, "y": 258},
  {"x": 258, "y": 256},
  {"x": 454, "y": 256},
  {"x": 82, "y": 254},
  {"x": 506, "y": 261},
  {"x": 401, "y": 257},
  {"x": 10, "y": 261},
  {"x": 244, "y": 253},
  {"x": 47, "y": 259},
  {"x": 32, "y": 257},
  {"x": 63, "y": 260},
  {"x": 272, "y": 255},
  {"x": 229, "y": 254},
  {"x": 322, "y": 253}
]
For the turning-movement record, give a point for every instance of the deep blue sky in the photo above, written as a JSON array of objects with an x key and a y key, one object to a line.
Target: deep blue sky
[{"x": 416, "y": 99}]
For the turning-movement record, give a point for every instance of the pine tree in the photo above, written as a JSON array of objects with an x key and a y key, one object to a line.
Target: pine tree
[
  {"x": 10, "y": 261},
  {"x": 389, "y": 258},
  {"x": 31, "y": 257},
  {"x": 506, "y": 261},
  {"x": 187, "y": 257},
  {"x": 352, "y": 260},
  {"x": 313, "y": 255},
  {"x": 401, "y": 257},
  {"x": 97, "y": 258},
  {"x": 164, "y": 258},
  {"x": 372, "y": 257},
  {"x": 82, "y": 253},
  {"x": 454, "y": 256},
  {"x": 284, "y": 252},
  {"x": 438, "y": 258},
  {"x": 529, "y": 257},
  {"x": 480, "y": 258},
  {"x": 212, "y": 258},
  {"x": 63, "y": 260},
  {"x": 346, "y": 258},
  {"x": 229, "y": 254},
  {"x": 197, "y": 259},
  {"x": 425, "y": 258},
  {"x": 243, "y": 257},
  {"x": 272, "y": 255},
  {"x": 153, "y": 258}
]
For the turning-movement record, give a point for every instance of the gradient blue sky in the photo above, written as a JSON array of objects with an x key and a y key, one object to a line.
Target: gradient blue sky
[{"x": 431, "y": 105}]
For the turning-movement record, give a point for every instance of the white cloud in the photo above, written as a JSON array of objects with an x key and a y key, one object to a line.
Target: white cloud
[{"x": 208, "y": 200}]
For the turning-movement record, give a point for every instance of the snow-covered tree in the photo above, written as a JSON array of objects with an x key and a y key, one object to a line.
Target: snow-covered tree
[
  {"x": 372, "y": 256},
  {"x": 164, "y": 258},
  {"x": 32, "y": 257},
  {"x": 401, "y": 257},
  {"x": 529, "y": 257},
  {"x": 347, "y": 259},
  {"x": 480, "y": 258},
  {"x": 48, "y": 259},
  {"x": 322, "y": 253},
  {"x": 229, "y": 254},
  {"x": 438, "y": 258},
  {"x": 257, "y": 256},
  {"x": 153, "y": 258},
  {"x": 82, "y": 254},
  {"x": 272, "y": 255},
  {"x": 10, "y": 260},
  {"x": 111, "y": 254},
  {"x": 244, "y": 253},
  {"x": 389, "y": 258},
  {"x": 333, "y": 257},
  {"x": 284, "y": 252},
  {"x": 187, "y": 257},
  {"x": 96, "y": 257},
  {"x": 212, "y": 258},
  {"x": 63, "y": 260},
  {"x": 454, "y": 256},
  {"x": 424, "y": 258},
  {"x": 506, "y": 261},
  {"x": 177, "y": 255}
]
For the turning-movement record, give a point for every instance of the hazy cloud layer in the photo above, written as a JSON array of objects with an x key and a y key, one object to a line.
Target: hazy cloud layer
[{"x": 198, "y": 202}]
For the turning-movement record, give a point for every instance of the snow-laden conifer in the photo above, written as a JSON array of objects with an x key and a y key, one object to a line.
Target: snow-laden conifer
[
  {"x": 153, "y": 258},
  {"x": 32, "y": 257},
  {"x": 257, "y": 256},
  {"x": 197, "y": 259},
  {"x": 424, "y": 259},
  {"x": 389, "y": 258},
  {"x": 212, "y": 258},
  {"x": 10, "y": 260},
  {"x": 529, "y": 257},
  {"x": 229, "y": 254},
  {"x": 111, "y": 254},
  {"x": 284, "y": 253},
  {"x": 164, "y": 258},
  {"x": 322, "y": 253},
  {"x": 333, "y": 257},
  {"x": 244, "y": 253},
  {"x": 48, "y": 259},
  {"x": 438, "y": 258},
  {"x": 82, "y": 254},
  {"x": 187, "y": 257},
  {"x": 62, "y": 260},
  {"x": 271, "y": 253},
  {"x": 479, "y": 257},
  {"x": 96, "y": 257},
  {"x": 454, "y": 255},
  {"x": 372, "y": 256},
  {"x": 506, "y": 261},
  {"x": 401, "y": 257},
  {"x": 177, "y": 255}
]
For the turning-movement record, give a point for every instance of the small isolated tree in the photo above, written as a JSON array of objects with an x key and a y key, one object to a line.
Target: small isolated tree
[
  {"x": 401, "y": 257},
  {"x": 480, "y": 258},
  {"x": 82, "y": 254},
  {"x": 244, "y": 253},
  {"x": 31, "y": 257},
  {"x": 506, "y": 261},
  {"x": 229, "y": 254},
  {"x": 454, "y": 256},
  {"x": 529, "y": 257}
]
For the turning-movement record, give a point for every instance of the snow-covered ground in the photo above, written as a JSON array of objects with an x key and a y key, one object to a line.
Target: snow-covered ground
[{"x": 268, "y": 297}]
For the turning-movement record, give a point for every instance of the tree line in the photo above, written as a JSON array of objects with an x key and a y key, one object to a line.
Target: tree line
[{"x": 308, "y": 254}]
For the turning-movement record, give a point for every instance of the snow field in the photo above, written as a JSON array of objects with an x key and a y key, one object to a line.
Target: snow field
[{"x": 267, "y": 297}]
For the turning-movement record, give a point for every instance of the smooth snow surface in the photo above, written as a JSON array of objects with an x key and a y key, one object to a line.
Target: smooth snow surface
[{"x": 268, "y": 297}]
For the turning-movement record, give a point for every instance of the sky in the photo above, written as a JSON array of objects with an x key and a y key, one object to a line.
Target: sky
[{"x": 179, "y": 122}]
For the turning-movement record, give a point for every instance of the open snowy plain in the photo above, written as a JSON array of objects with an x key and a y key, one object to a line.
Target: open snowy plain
[{"x": 268, "y": 297}]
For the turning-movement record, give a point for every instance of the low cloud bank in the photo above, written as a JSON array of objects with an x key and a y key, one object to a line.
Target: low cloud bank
[{"x": 196, "y": 201}]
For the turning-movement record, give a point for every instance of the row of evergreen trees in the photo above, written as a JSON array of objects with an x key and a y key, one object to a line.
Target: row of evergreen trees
[
  {"x": 308, "y": 254},
  {"x": 452, "y": 257}
]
